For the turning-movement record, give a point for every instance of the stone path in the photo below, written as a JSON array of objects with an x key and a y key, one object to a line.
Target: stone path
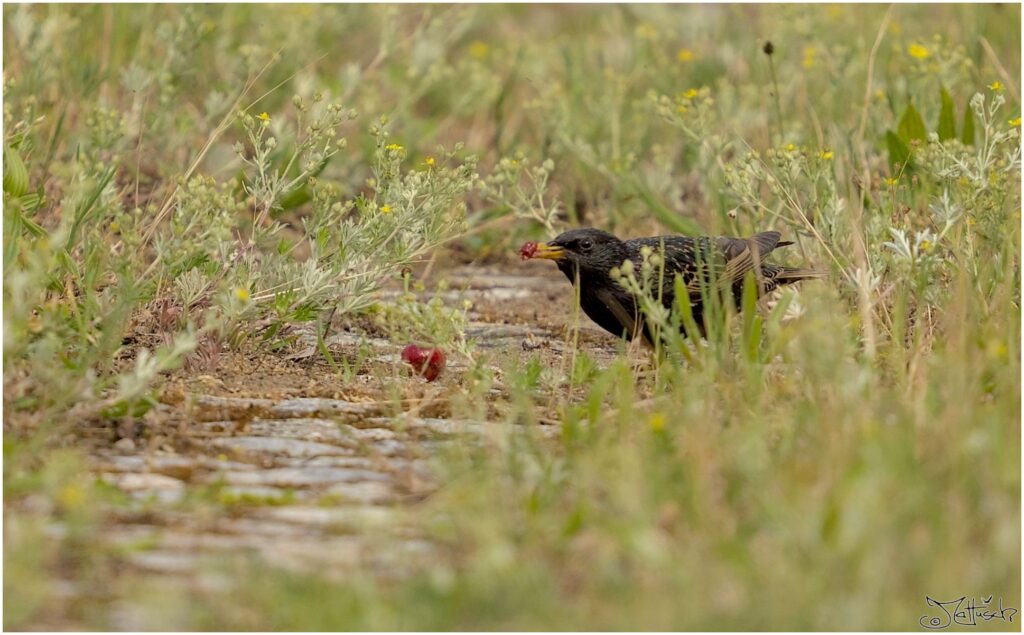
[{"x": 313, "y": 483}]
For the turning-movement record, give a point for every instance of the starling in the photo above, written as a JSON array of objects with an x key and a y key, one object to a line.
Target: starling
[{"x": 590, "y": 255}]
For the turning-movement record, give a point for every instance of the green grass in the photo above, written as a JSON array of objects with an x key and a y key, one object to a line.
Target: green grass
[{"x": 198, "y": 177}]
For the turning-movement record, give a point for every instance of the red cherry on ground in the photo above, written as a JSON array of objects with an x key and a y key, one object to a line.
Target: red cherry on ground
[
  {"x": 429, "y": 363},
  {"x": 412, "y": 354}
]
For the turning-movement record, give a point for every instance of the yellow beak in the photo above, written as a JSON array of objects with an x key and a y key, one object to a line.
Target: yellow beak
[{"x": 548, "y": 251}]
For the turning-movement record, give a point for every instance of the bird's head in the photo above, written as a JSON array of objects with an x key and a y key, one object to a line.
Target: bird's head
[{"x": 589, "y": 251}]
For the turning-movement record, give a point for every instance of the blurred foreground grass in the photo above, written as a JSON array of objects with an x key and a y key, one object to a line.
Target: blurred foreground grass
[{"x": 218, "y": 169}]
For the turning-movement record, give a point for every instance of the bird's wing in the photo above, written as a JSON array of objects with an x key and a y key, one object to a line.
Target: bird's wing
[
  {"x": 684, "y": 256},
  {"x": 629, "y": 320},
  {"x": 681, "y": 253},
  {"x": 724, "y": 259},
  {"x": 746, "y": 254}
]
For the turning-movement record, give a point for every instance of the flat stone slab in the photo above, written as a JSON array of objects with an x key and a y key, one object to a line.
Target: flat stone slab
[
  {"x": 429, "y": 426},
  {"x": 498, "y": 294},
  {"x": 332, "y": 557},
  {"x": 354, "y": 462},
  {"x": 368, "y": 434},
  {"x": 342, "y": 516},
  {"x": 165, "y": 561},
  {"x": 314, "y": 406},
  {"x": 163, "y": 488},
  {"x": 175, "y": 466},
  {"x": 301, "y": 477},
  {"x": 486, "y": 330},
  {"x": 254, "y": 528},
  {"x": 354, "y": 339},
  {"x": 366, "y": 492},
  {"x": 211, "y": 408},
  {"x": 307, "y": 428},
  {"x": 179, "y": 467},
  {"x": 387, "y": 447},
  {"x": 261, "y": 495},
  {"x": 495, "y": 279},
  {"x": 277, "y": 446},
  {"x": 227, "y": 541}
]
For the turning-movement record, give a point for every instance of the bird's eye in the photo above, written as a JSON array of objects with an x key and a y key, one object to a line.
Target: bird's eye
[{"x": 586, "y": 244}]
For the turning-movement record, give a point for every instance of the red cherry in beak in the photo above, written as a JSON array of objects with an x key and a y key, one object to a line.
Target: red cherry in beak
[{"x": 528, "y": 249}]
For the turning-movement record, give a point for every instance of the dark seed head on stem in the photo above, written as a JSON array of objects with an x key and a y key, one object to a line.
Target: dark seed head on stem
[{"x": 768, "y": 48}]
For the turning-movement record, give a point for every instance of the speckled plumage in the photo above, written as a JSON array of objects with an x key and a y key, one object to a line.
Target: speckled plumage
[{"x": 591, "y": 254}]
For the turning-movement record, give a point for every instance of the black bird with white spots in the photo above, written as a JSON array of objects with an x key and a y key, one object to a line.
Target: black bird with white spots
[{"x": 588, "y": 257}]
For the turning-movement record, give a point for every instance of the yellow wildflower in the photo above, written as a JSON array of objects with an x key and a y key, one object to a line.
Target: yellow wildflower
[
  {"x": 264, "y": 117},
  {"x": 430, "y": 162},
  {"x": 394, "y": 147},
  {"x": 996, "y": 86},
  {"x": 826, "y": 155},
  {"x": 690, "y": 94},
  {"x": 681, "y": 109},
  {"x": 810, "y": 56},
  {"x": 926, "y": 245},
  {"x": 1015, "y": 122},
  {"x": 891, "y": 181},
  {"x": 685, "y": 55},
  {"x": 646, "y": 31},
  {"x": 657, "y": 422},
  {"x": 790, "y": 147},
  {"x": 71, "y": 496},
  {"x": 918, "y": 51},
  {"x": 997, "y": 348},
  {"x": 479, "y": 49},
  {"x": 972, "y": 222},
  {"x": 242, "y": 294},
  {"x": 385, "y": 209}
]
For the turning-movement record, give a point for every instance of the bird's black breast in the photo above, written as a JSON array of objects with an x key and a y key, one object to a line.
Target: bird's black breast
[
  {"x": 613, "y": 309},
  {"x": 605, "y": 301}
]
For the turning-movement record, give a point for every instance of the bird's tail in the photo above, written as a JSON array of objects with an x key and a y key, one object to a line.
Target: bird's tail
[{"x": 787, "y": 275}]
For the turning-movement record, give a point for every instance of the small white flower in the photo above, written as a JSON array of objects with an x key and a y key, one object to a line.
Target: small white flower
[
  {"x": 978, "y": 105},
  {"x": 866, "y": 280}
]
